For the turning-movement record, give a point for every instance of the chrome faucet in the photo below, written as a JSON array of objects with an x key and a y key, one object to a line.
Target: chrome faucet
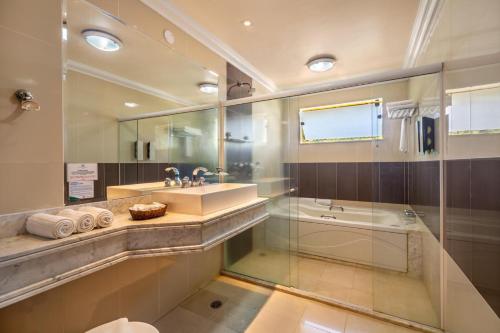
[
  {"x": 201, "y": 180},
  {"x": 177, "y": 179},
  {"x": 333, "y": 206},
  {"x": 330, "y": 206}
]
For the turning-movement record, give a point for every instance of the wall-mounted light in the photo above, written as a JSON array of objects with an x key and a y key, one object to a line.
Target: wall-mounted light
[
  {"x": 102, "y": 40},
  {"x": 208, "y": 88},
  {"x": 321, "y": 64},
  {"x": 131, "y": 104},
  {"x": 64, "y": 32}
]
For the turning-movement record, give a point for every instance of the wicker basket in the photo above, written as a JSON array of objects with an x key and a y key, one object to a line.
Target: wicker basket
[{"x": 147, "y": 214}]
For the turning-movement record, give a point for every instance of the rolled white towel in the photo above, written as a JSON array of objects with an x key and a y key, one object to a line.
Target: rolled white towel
[
  {"x": 84, "y": 221},
  {"x": 103, "y": 217},
  {"x": 50, "y": 226}
]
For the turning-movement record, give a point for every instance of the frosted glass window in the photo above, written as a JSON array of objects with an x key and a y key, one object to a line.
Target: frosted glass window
[
  {"x": 475, "y": 111},
  {"x": 356, "y": 121}
]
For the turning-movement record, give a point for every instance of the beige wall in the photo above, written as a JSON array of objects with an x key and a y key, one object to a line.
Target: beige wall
[
  {"x": 136, "y": 14},
  {"x": 472, "y": 146},
  {"x": 140, "y": 289},
  {"x": 31, "y": 144},
  {"x": 388, "y": 149}
]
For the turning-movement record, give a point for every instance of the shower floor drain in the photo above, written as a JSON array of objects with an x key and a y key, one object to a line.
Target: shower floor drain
[
  {"x": 262, "y": 254},
  {"x": 216, "y": 304}
]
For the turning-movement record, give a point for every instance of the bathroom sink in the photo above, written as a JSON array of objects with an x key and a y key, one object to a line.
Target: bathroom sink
[
  {"x": 134, "y": 190},
  {"x": 206, "y": 199}
]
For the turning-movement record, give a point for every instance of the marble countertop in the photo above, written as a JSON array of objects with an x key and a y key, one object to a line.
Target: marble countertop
[
  {"x": 26, "y": 244},
  {"x": 30, "y": 264}
]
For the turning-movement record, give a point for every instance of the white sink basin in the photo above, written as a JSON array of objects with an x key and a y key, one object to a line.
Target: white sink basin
[
  {"x": 206, "y": 199},
  {"x": 134, "y": 190}
]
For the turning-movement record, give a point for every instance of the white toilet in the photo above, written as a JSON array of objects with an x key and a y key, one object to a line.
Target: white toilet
[{"x": 122, "y": 325}]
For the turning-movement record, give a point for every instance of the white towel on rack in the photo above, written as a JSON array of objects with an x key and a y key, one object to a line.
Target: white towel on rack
[
  {"x": 84, "y": 221},
  {"x": 401, "y": 109},
  {"x": 403, "y": 142},
  {"x": 103, "y": 217},
  {"x": 50, "y": 226}
]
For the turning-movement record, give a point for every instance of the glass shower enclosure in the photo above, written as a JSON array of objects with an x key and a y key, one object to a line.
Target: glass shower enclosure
[{"x": 353, "y": 196}]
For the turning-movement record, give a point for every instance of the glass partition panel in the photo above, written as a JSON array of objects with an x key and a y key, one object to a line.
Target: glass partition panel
[
  {"x": 472, "y": 181},
  {"x": 184, "y": 141},
  {"x": 128, "y": 144},
  {"x": 406, "y": 211},
  {"x": 258, "y": 149}
]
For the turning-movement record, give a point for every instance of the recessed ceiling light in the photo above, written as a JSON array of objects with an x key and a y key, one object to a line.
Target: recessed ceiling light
[
  {"x": 208, "y": 88},
  {"x": 169, "y": 36},
  {"x": 102, "y": 40},
  {"x": 131, "y": 104},
  {"x": 246, "y": 23},
  {"x": 321, "y": 64}
]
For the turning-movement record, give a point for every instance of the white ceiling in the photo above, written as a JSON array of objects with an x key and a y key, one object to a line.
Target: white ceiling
[
  {"x": 364, "y": 35},
  {"x": 141, "y": 62}
]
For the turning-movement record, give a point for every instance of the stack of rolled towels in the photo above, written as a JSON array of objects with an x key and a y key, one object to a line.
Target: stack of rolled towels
[{"x": 68, "y": 221}]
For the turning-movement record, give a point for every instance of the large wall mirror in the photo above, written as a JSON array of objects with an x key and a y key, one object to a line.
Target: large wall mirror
[{"x": 114, "y": 71}]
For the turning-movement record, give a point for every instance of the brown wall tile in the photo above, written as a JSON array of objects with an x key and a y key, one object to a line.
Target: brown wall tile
[
  {"x": 327, "y": 180},
  {"x": 347, "y": 185}
]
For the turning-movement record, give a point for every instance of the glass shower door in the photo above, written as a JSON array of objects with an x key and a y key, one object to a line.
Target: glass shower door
[
  {"x": 257, "y": 150},
  {"x": 406, "y": 209}
]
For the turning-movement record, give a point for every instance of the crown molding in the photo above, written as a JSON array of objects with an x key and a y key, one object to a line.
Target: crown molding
[
  {"x": 425, "y": 22},
  {"x": 169, "y": 11},
  {"x": 124, "y": 82}
]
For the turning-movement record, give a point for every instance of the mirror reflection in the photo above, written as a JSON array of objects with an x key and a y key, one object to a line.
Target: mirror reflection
[{"x": 114, "y": 71}]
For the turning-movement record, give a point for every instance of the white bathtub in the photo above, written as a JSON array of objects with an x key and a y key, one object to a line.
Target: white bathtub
[{"x": 359, "y": 234}]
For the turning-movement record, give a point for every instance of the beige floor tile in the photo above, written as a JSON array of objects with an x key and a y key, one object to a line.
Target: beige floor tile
[
  {"x": 235, "y": 316},
  {"x": 183, "y": 321},
  {"x": 361, "y": 298},
  {"x": 333, "y": 290},
  {"x": 362, "y": 324},
  {"x": 200, "y": 302},
  {"x": 285, "y": 304},
  {"x": 272, "y": 321},
  {"x": 322, "y": 318},
  {"x": 339, "y": 274}
]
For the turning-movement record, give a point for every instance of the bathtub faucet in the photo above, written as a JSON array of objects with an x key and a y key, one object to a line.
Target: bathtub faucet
[{"x": 332, "y": 207}]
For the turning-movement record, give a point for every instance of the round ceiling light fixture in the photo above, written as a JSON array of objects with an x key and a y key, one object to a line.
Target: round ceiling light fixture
[
  {"x": 246, "y": 23},
  {"x": 208, "y": 88},
  {"x": 321, "y": 64},
  {"x": 102, "y": 40},
  {"x": 131, "y": 104}
]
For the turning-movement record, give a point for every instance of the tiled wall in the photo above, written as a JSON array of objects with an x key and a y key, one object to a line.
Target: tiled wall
[
  {"x": 472, "y": 222},
  {"x": 361, "y": 181},
  {"x": 140, "y": 289},
  {"x": 413, "y": 183}
]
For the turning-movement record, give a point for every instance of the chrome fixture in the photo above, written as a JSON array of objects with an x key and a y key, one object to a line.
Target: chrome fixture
[
  {"x": 176, "y": 181},
  {"x": 321, "y": 63},
  {"x": 208, "y": 88},
  {"x": 201, "y": 180},
  {"x": 331, "y": 206},
  {"x": 102, "y": 40},
  {"x": 240, "y": 84},
  {"x": 185, "y": 182},
  {"x": 412, "y": 213},
  {"x": 26, "y": 99}
]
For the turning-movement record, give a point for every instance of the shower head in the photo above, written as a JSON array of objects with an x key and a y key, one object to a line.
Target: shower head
[{"x": 240, "y": 84}]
